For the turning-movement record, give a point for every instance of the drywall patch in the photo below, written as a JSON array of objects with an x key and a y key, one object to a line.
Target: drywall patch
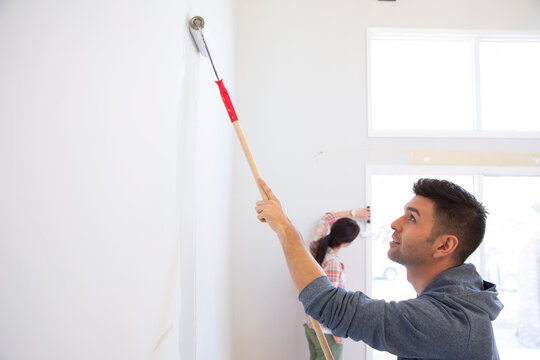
[{"x": 319, "y": 155}]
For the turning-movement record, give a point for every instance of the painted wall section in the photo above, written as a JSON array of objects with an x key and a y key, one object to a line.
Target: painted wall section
[
  {"x": 110, "y": 129},
  {"x": 301, "y": 84},
  {"x": 214, "y": 168}
]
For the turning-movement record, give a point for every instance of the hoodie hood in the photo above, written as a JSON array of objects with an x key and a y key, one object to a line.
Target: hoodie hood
[{"x": 470, "y": 292}]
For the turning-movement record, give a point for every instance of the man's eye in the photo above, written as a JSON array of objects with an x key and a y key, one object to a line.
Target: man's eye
[{"x": 411, "y": 218}]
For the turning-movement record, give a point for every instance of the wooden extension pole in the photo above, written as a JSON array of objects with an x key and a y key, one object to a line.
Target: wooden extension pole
[
  {"x": 256, "y": 176},
  {"x": 249, "y": 157},
  {"x": 322, "y": 339}
]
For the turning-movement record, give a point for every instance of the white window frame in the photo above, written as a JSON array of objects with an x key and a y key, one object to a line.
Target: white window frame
[
  {"x": 477, "y": 171},
  {"x": 474, "y": 37}
]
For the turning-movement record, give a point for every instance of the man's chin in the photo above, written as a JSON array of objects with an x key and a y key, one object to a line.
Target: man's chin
[{"x": 392, "y": 255}]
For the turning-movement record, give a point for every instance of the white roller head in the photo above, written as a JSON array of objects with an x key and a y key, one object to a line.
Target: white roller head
[{"x": 196, "y": 24}]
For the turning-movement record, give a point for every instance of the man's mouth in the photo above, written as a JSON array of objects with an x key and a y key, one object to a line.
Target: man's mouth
[{"x": 395, "y": 240}]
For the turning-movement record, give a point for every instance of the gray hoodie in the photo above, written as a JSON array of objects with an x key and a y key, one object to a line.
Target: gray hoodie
[{"x": 450, "y": 319}]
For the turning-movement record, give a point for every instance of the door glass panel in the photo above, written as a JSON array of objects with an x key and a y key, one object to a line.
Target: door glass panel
[{"x": 512, "y": 262}]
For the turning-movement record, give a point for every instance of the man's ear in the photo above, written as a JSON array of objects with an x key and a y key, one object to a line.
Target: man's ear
[{"x": 446, "y": 245}]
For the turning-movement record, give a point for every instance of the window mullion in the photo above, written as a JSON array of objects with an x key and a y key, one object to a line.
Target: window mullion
[
  {"x": 481, "y": 252},
  {"x": 477, "y": 96}
]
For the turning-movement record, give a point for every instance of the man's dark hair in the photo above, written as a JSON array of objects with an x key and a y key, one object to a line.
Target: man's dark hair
[
  {"x": 344, "y": 230},
  {"x": 456, "y": 212}
]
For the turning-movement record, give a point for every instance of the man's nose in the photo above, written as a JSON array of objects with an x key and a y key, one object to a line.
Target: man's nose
[{"x": 395, "y": 225}]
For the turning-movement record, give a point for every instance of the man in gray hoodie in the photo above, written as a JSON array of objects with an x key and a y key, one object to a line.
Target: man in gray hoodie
[{"x": 451, "y": 316}]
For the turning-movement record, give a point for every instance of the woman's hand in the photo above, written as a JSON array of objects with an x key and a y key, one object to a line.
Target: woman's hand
[{"x": 363, "y": 213}]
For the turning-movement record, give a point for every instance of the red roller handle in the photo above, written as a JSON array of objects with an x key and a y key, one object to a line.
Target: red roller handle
[{"x": 227, "y": 101}]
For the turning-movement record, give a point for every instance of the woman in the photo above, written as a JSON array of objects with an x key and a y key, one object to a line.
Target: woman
[{"x": 336, "y": 231}]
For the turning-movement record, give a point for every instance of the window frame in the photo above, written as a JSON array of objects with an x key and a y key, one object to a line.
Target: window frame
[{"x": 472, "y": 36}]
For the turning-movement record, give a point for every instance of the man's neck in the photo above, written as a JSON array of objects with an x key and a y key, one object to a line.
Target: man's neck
[{"x": 421, "y": 276}]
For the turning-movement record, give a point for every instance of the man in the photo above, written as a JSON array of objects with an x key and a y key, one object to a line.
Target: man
[{"x": 451, "y": 316}]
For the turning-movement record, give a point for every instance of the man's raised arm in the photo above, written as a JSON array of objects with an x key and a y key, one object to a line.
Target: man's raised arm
[{"x": 302, "y": 266}]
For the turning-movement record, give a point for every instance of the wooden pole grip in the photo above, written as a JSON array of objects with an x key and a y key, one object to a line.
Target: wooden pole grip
[
  {"x": 322, "y": 340},
  {"x": 257, "y": 176},
  {"x": 249, "y": 157}
]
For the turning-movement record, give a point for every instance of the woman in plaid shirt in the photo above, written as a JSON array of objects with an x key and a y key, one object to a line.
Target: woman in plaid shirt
[{"x": 335, "y": 231}]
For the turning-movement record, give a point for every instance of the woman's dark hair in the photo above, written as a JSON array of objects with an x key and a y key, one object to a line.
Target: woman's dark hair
[{"x": 343, "y": 231}]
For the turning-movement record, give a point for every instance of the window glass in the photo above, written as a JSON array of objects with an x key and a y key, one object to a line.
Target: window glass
[
  {"x": 453, "y": 83},
  {"x": 421, "y": 85},
  {"x": 512, "y": 258},
  {"x": 510, "y": 84}
]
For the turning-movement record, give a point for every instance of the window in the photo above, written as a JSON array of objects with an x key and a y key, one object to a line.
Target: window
[
  {"x": 508, "y": 255},
  {"x": 510, "y": 78},
  {"x": 453, "y": 83}
]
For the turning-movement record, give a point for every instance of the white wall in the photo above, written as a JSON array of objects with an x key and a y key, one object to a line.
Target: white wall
[
  {"x": 301, "y": 80},
  {"x": 111, "y": 134}
]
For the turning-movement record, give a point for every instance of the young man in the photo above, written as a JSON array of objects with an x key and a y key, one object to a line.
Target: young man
[{"x": 451, "y": 316}]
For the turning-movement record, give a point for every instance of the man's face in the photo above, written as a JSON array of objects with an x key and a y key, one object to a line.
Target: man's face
[{"x": 411, "y": 243}]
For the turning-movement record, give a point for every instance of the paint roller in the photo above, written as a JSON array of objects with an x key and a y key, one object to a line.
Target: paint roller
[{"x": 196, "y": 25}]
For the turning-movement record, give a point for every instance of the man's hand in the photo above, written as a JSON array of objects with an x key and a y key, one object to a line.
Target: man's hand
[
  {"x": 270, "y": 210},
  {"x": 302, "y": 266}
]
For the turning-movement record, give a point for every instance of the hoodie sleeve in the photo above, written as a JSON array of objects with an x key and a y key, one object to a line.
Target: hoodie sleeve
[{"x": 416, "y": 328}]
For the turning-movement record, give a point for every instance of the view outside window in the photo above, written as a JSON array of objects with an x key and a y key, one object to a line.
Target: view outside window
[
  {"x": 509, "y": 256},
  {"x": 465, "y": 83},
  {"x": 512, "y": 261},
  {"x": 510, "y": 84},
  {"x": 418, "y": 79}
]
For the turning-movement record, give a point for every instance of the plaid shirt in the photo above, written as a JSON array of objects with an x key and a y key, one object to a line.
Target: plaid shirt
[{"x": 332, "y": 264}]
